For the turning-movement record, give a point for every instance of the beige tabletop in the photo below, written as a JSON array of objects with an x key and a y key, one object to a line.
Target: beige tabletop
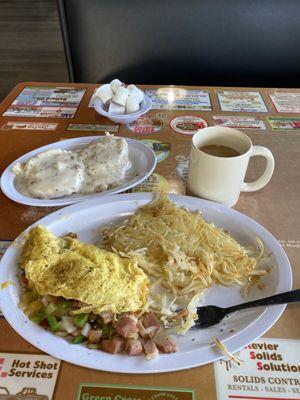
[{"x": 276, "y": 207}]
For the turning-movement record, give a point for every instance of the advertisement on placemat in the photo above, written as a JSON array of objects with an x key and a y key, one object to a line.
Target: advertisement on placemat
[
  {"x": 179, "y": 99},
  {"x": 188, "y": 124},
  {"x": 91, "y": 102},
  {"x": 41, "y": 112},
  {"x": 154, "y": 183},
  {"x": 33, "y": 126},
  {"x": 147, "y": 124},
  {"x": 47, "y": 102},
  {"x": 286, "y": 102},
  {"x": 269, "y": 369},
  {"x": 161, "y": 150},
  {"x": 93, "y": 128},
  {"x": 290, "y": 243},
  {"x": 239, "y": 122},
  {"x": 27, "y": 376},
  {"x": 89, "y": 391},
  {"x": 49, "y": 97},
  {"x": 284, "y": 124},
  {"x": 241, "y": 101}
]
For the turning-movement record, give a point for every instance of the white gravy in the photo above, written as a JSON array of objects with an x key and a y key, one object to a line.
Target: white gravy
[{"x": 97, "y": 166}]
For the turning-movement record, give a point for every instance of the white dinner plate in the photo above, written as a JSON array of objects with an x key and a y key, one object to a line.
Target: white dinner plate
[
  {"x": 196, "y": 347},
  {"x": 141, "y": 156}
]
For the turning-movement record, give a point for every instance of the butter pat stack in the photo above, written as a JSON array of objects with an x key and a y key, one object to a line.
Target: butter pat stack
[{"x": 119, "y": 99}]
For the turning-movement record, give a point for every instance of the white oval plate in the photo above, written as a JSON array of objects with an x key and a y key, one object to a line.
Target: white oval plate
[
  {"x": 196, "y": 347},
  {"x": 141, "y": 156}
]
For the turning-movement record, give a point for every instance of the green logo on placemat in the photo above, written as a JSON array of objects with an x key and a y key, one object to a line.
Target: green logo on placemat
[{"x": 91, "y": 391}]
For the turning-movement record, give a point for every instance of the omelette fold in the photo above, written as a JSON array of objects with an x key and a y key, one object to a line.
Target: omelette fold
[{"x": 71, "y": 269}]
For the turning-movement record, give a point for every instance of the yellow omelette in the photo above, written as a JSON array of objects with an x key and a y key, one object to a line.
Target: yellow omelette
[{"x": 74, "y": 270}]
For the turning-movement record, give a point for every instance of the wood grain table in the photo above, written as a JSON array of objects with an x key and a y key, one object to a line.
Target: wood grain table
[{"x": 276, "y": 207}]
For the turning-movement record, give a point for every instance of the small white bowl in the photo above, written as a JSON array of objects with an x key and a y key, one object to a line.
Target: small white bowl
[{"x": 123, "y": 118}]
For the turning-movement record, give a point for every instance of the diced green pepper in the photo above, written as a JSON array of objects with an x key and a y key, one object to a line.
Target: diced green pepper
[
  {"x": 53, "y": 323},
  {"x": 107, "y": 331},
  {"x": 81, "y": 319},
  {"x": 78, "y": 339},
  {"x": 38, "y": 317},
  {"x": 50, "y": 309}
]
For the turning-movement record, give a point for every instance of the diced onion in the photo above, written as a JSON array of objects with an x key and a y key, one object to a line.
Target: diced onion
[
  {"x": 86, "y": 329},
  {"x": 67, "y": 323}
]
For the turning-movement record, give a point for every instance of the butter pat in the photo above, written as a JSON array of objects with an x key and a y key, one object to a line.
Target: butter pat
[
  {"x": 115, "y": 84},
  {"x": 120, "y": 96},
  {"x": 132, "y": 104},
  {"x": 104, "y": 93},
  {"x": 133, "y": 90},
  {"x": 116, "y": 108}
]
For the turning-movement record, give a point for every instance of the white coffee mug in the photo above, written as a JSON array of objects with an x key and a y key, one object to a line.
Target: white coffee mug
[{"x": 221, "y": 179}]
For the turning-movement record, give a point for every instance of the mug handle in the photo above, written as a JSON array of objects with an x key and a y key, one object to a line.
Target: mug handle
[{"x": 268, "y": 172}]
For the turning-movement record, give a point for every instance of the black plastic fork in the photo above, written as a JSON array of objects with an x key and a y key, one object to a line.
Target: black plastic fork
[{"x": 212, "y": 315}]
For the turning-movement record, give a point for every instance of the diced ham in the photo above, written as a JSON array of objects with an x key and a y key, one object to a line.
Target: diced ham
[
  {"x": 133, "y": 347},
  {"x": 147, "y": 333},
  {"x": 150, "y": 320},
  {"x": 44, "y": 323},
  {"x": 166, "y": 345},
  {"x": 76, "y": 332},
  {"x": 142, "y": 330},
  {"x": 106, "y": 316},
  {"x": 126, "y": 327},
  {"x": 129, "y": 315},
  {"x": 24, "y": 281},
  {"x": 151, "y": 331},
  {"x": 150, "y": 349},
  {"x": 114, "y": 345},
  {"x": 148, "y": 326},
  {"x": 94, "y": 335}
]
